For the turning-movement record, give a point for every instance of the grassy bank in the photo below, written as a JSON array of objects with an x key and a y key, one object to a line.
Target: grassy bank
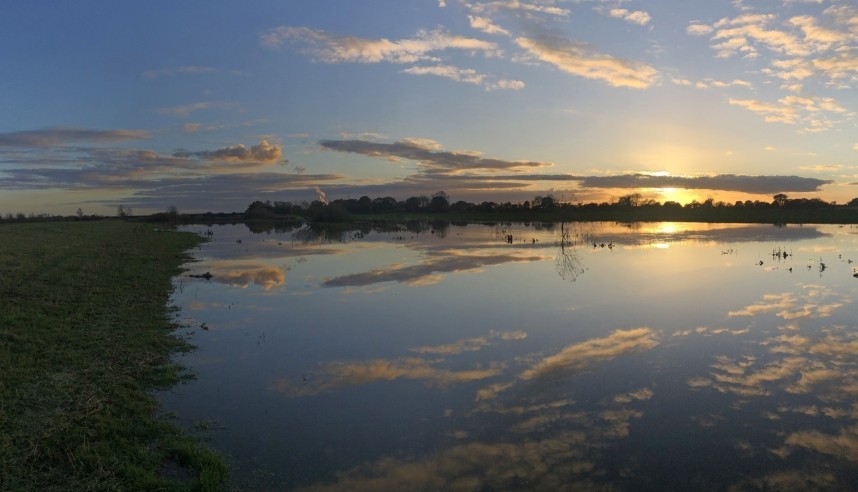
[{"x": 85, "y": 336}]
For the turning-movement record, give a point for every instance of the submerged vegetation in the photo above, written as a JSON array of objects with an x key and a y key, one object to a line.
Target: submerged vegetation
[{"x": 85, "y": 336}]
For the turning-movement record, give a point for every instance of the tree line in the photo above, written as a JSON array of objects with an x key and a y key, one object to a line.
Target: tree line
[{"x": 632, "y": 206}]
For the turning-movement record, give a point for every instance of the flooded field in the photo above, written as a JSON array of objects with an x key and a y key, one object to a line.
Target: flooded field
[{"x": 432, "y": 356}]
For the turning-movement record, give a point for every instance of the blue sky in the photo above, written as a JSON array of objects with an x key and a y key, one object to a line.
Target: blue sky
[{"x": 209, "y": 105}]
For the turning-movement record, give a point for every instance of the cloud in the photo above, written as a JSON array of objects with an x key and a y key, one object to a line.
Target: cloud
[
  {"x": 183, "y": 70},
  {"x": 822, "y": 167},
  {"x": 430, "y": 158},
  {"x": 707, "y": 83},
  {"x": 577, "y": 59},
  {"x": 263, "y": 152},
  {"x": 486, "y": 25},
  {"x": 636, "y": 17},
  {"x": 467, "y": 75},
  {"x": 329, "y": 48},
  {"x": 793, "y": 109},
  {"x": 805, "y": 48},
  {"x": 61, "y": 135},
  {"x": 526, "y": 8},
  {"x": 724, "y": 182},
  {"x": 698, "y": 29},
  {"x": 580, "y": 356},
  {"x": 186, "y": 109}
]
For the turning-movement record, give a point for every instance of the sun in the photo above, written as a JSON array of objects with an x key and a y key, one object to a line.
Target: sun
[{"x": 678, "y": 195}]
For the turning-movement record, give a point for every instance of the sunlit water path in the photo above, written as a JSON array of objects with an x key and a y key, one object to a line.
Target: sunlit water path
[{"x": 522, "y": 357}]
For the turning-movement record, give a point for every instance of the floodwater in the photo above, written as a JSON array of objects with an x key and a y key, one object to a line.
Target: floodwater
[{"x": 661, "y": 356}]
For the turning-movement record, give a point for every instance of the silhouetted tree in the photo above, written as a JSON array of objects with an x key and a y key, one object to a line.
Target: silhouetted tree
[
  {"x": 259, "y": 210},
  {"x": 440, "y": 202},
  {"x": 416, "y": 203},
  {"x": 123, "y": 211},
  {"x": 630, "y": 200}
]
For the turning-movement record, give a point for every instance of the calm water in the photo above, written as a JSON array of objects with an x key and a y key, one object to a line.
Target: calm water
[{"x": 520, "y": 357}]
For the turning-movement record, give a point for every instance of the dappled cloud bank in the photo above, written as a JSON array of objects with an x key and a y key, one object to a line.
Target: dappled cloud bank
[{"x": 806, "y": 372}]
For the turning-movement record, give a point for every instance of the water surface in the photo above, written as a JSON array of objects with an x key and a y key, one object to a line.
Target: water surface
[{"x": 526, "y": 356}]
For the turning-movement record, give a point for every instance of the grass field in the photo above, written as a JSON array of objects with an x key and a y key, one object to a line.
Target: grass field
[{"x": 85, "y": 336}]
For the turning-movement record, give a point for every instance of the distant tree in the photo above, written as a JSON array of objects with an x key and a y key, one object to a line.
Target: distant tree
[
  {"x": 79, "y": 213},
  {"x": 630, "y": 200},
  {"x": 543, "y": 202},
  {"x": 853, "y": 203},
  {"x": 385, "y": 204},
  {"x": 123, "y": 211},
  {"x": 780, "y": 199},
  {"x": 259, "y": 210},
  {"x": 460, "y": 206},
  {"x": 172, "y": 211},
  {"x": 364, "y": 204},
  {"x": 416, "y": 203},
  {"x": 440, "y": 202}
]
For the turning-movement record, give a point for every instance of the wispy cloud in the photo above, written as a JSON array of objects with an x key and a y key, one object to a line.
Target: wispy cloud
[
  {"x": 62, "y": 135},
  {"x": 182, "y": 70},
  {"x": 486, "y": 25},
  {"x": 724, "y": 182},
  {"x": 811, "y": 111},
  {"x": 519, "y": 6},
  {"x": 428, "y": 155},
  {"x": 186, "y": 109},
  {"x": 330, "y": 48},
  {"x": 579, "y": 59},
  {"x": 468, "y": 75}
]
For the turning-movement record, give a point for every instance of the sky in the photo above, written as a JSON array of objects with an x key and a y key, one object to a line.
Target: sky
[{"x": 210, "y": 105}]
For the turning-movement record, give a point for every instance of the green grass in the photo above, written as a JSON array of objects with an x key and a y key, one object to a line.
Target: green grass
[{"x": 85, "y": 336}]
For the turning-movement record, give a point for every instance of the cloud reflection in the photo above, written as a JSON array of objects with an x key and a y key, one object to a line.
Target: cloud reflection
[
  {"x": 789, "y": 305},
  {"x": 340, "y": 374},
  {"x": 580, "y": 356},
  {"x": 428, "y": 271},
  {"x": 243, "y": 274},
  {"x": 337, "y": 375},
  {"x": 470, "y": 344}
]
